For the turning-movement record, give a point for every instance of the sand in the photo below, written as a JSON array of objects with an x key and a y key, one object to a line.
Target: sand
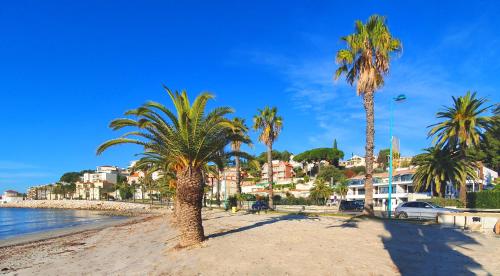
[{"x": 265, "y": 244}]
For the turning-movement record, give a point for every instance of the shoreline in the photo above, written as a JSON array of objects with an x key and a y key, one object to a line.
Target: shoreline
[
  {"x": 32, "y": 238},
  {"x": 131, "y": 213},
  {"x": 114, "y": 207}
]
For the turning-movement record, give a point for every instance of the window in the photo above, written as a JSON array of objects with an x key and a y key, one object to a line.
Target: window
[
  {"x": 422, "y": 205},
  {"x": 406, "y": 177},
  {"x": 385, "y": 190},
  {"x": 426, "y": 205},
  {"x": 411, "y": 204}
]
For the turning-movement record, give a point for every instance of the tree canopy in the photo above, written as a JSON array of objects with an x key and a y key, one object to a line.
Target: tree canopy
[
  {"x": 329, "y": 172},
  {"x": 329, "y": 154},
  {"x": 73, "y": 177},
  {"x": 276, "y": 154}
]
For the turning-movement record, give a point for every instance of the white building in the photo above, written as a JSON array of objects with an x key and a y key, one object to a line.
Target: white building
[
  {"x": 93, "y": 185},
  {"x": 105, "y": 175},
  {"x": 485, "y": 180},
  {"x": 402, "y": 188},
  {"x": 354, "y": 161},
  {"x": 11, "y": 196}
]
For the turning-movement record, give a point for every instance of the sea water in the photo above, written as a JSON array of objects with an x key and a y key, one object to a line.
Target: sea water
[{"x": 21, "y": 221}]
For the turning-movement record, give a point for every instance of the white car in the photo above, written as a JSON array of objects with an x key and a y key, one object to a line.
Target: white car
[{"x": 421, "y": 210}]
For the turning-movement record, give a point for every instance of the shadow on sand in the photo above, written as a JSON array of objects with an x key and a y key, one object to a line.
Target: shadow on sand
[
  {"x": 262, "y": 223},
  {"x": 418, "y": 249}
]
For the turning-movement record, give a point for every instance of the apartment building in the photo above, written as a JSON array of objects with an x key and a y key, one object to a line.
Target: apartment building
[
  {"x": 227, "y": 182},
  {"x": 282, "y": 172},
  {"x": 402, "y": 188},
  {"x": 94, "y": 184},
  {"x": 354, "y": 161}
]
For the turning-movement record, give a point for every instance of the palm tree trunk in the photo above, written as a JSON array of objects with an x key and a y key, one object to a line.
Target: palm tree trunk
[
  {"x": 270, "y": 173},
  {"x": 212, "y": 195},
  {"x": 238, "y": 175},
  {"x": 481, "y": 175},
  {"x": 218, "y": 188},
  {"x": 190, "y": 195},
  {"x": 238, "y": 180},
  {"x": 463, "y": 184},
  {"x": 370, "y": 133},
  {"x": 463, "y": 190}
]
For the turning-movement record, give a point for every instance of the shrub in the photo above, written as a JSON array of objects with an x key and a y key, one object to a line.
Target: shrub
[
  {"x": 233, "y": 202},
  {"x": 291, "y": 200},
  {"x": 484, "y": 199},
  {"x": 247, "y": 197}
]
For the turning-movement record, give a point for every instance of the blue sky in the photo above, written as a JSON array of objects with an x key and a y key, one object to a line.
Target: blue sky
[{"x": 68, "y": 68}]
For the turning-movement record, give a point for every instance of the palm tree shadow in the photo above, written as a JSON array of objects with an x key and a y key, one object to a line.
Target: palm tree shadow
[
  {"x": 350, "y": 223},
  {"x": 429, "y": 249},
  {"x": 271, "y": 220}
]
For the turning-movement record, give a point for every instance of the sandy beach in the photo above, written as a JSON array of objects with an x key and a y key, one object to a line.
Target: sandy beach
[{"x": 265, "y": 244}]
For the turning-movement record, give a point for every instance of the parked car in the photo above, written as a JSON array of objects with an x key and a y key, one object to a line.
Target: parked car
[
  {"x": 260, "y": 205},
  {"x": 351, "y": 205},
  {"x": 421, "y": 210}
]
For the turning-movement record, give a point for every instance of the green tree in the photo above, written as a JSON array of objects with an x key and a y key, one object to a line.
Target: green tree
[
  {"x": 365, "y": 61},
  {"x": 321, "y": 191},
  {"x": 437, "y": 166},
  {"x": 328, "y": 173},
  {"x": 70, "y": 190},
  {"x": 276, "y": 155},
  {"x": 488, "y": 152},
  {"x": 71, "y": 177},
  {"x": 337, "y": 154},
  {"x": 187, "y": 138},
  {"x": 318, "y": 154},
  {"x": 270, "y": 125},
  {"x": 383, "y": 158},
  {"x": 342, "y": 188},
  {"x": 58, "y": 189},
  {"x": 462, "y": 128}
]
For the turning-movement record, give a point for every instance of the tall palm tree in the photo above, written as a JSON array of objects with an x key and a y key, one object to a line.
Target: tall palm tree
[
  {"x": 365, "y": 61},
  {"x": 270, "y": 125},
  {"x": 240, "y": 129},
  {"x": 436, "y": 166},
  {"x": 187, "y": 138},
  {"x": 462, "y": 127}
]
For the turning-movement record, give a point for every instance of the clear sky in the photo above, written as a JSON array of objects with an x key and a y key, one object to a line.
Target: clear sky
[{"x": 68, "y": 68}]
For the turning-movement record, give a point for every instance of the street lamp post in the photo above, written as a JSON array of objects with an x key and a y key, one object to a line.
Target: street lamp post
[{"x": 399, "y": 98}]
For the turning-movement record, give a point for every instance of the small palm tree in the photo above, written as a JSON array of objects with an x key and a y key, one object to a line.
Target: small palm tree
[
  {"x": 437, "y": 166},
  {"x": 342, "y": 188},
  {"x": 187, "y": 138},
  {"x": 462, "y": 127},
  {"x": 365, "y": 61},
  {"x": 270, "y": 125},
  {"x": 321, "y": 190}
]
